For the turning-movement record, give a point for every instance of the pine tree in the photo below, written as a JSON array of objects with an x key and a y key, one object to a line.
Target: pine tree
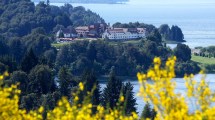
[
  {"x": 29, "y": 61},
  {"x": 41, "y": 80},
  {"x": 130, "y": 100},
  {"x": 65, "y": 81},
  {"x": 91, "y": 85},
  {"x": 21, "y": 78},
  {"x": 111, "y": 93},
  {"x": 153, "y": 114},
  {"x": 61, "y": 35},
  {"x": 146, "y": 111}
]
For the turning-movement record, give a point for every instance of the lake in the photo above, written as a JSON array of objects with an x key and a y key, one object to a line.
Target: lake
[
  {"x": 196, "y": 18},
  {"x": 180, "y": 88}
]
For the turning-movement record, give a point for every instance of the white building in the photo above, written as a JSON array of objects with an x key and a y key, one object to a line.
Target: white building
[
  {"x": 124, "y": 33},
  {"x": 67, "y": 33}
]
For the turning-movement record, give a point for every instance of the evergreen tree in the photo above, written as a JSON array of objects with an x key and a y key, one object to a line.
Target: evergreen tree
[
  {"x": 91, "y": 51},
  {"x": 9, "y": 62},
  {"x": 21, "y": 78},
  {"x": 146, "y": 111},
  {"x": 130, "y": 100},
  {"x": 3, "y": 47},
  {"x": 111, "y": 93},
  {"x": 65, "y": 81},
  {"x": 176, "y": 33},
  {"x": 3, "y": 68},
  {"x": 165, "y": 31},
  {"x": 30, "y": 102},
  {"x": 61, "y": 35},
  {"x": 182, "y": 52},
  {"x": 16, "y": 49},
  {"x": 153, "y": 114},
  {"x": 41, "y": 80},
  {"x": 29, "y": 61},
  {"x": 91, "y": 85},
  {"x": 155, "y": 36}
]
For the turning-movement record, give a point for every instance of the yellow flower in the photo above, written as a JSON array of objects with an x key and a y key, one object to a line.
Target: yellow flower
[
  {"x": 6, "y": 73},
  {"x": 122, "y": 98},
  {"x": 81, "y": 86},
  {"x": 41, "y": 109},
  {"x": 1, "y": 77},
  {"x": 76, "y": 98},
  {"x": 157, "y": 60}
]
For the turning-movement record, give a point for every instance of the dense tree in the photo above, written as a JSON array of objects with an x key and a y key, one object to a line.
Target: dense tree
[
  {"x": 165, "y": 31},
  {"x": 182, "y": 52},
  {"x": 91, "y": 85},
  {"x": 50, "y": 56},
  {"x": 63, "y": 57},
  {"x": 29, "y": 61},
  {"x": 65, "y": 81},
  {"x": 130, "y": 100},
  {"x": 21, "y": 78},
  {"x": 80, "y": 65},
  {"x": 16, "y": 48},
  {"x": 48, "y": 101},
  {"x": 150, "y": 48},
  {"x": 111, "y": 92},
  {"x": 155, "y": 36},
  {"x": 188, "y": 67},
  {"x": 91, "y": 51},
  {"x": 30, "y": 102},
  {"x": 176, "y": 33},
  {"x": 19, "y": 18},
  {"x": 101, "y": 56},
  {"x": 61, "y": 35},
  {"x": 153, "y": 114},
  {"x": 3, "y": 47},
  {"x": 3, "y": 68},
  {"x": 41, "y": 80},
  {"x": 9, "y": 62},
  {"x": 38, "y": 42},
  {"x": 164, "y": 52},
  {"x": 147, "y": 112}
]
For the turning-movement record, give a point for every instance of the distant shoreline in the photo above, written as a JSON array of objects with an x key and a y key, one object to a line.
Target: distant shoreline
[{"x": 82, "y": 2}]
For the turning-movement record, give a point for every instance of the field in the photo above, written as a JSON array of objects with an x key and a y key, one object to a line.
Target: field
[
  {"x": 58, "y": 45},
  {"x": 203, "y": 60}
]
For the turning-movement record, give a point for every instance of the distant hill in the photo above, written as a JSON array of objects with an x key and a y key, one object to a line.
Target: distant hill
[
  {"x": 19, "y": 17},
  {"x": 85, "y": 1}
]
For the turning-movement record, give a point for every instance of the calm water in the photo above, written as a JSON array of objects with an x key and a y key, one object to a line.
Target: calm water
[
  {"x": 196, "y": 17},
  {"x": 180, "y": 88}
]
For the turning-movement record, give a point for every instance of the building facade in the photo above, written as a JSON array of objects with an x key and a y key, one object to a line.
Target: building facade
[
  {"x": 66, "y": 33},
  {"x": 124, "y": 33}
]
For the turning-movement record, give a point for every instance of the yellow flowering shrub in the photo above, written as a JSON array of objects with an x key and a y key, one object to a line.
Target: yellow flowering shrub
[
  {"x": 169, "y": 105},
  {"x": 157, "y": 87},
  {"x": 9, "y": 108}
]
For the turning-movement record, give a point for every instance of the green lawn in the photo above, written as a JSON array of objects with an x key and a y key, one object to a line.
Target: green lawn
[
  {"x": 132, "y": 41},
  {"x": 58, "y": 45},
  {"x": 203, "y": 60}
]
